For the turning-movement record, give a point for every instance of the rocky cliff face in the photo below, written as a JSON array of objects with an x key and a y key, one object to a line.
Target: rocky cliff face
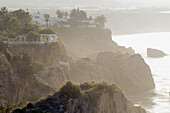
[
  {"x": 9, "y": 82},
  {"x": 55, "y": 76},
  {"x": 48, "y": 54},
  {"x": 94, "y": 98},
  {"x": 129, "y": 72},
  {"x": 84, "y": 42},
  {"x": 105, "y": 103},
  {"x": 15, "y": 86}
]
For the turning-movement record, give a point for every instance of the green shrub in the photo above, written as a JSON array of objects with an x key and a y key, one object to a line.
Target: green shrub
[
  {"x": 32, "y": 36},
  {"x": 30, "y": 106},
  {"x": 47, "y": 31},
  {"x": 86, "y": 86},
  {"x": 71, "y": 90},
  {"x": 18, "y": 110},
  {"x": 99, "y": 87}
]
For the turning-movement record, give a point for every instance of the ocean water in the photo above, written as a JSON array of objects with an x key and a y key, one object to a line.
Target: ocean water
[{"x": 158, "y": 100}]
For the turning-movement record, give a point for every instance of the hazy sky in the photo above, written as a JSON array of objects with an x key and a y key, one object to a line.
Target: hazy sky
[{"x": 91, "y": 3}]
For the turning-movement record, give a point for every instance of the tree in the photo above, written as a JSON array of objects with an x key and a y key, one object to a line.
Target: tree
[
  {"x": 82, "y": 15},
  {"x": 73, "y": 14},
  {"x": 91, "y": 18},
  {"x": 46, "y": 16},
  {"x": 60, "y": 14},
  {"x": 47, "y": 31},
  {"x": 23, "y": 16},
  {"x": 13, "y": 27},
  {"x": 3, "y": 11},
  {"x": 15, "y": 23},
  {"x": 66, "y": 14},
  {"x": 71, "y": 90},
  {"x": 101, "y": 20},
  {"x": 78, "y": 14},
  {"x": 32, "y": 36}
]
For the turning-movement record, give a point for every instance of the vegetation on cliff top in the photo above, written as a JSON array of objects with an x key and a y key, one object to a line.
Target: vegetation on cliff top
[
  {"x": 71, "y": 90},
  {"x": 99, "y": 87},
  {"x": 14, "y": 23},
  {"x": 17, "y": 23},
  {"x": 47, "y": 31},
  {"x": 58, "y": 102}
]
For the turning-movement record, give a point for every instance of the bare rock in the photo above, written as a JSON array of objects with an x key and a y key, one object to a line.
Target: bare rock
[{"x": 155, "y": 53}]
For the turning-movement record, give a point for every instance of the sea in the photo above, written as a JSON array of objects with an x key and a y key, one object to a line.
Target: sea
[{"x": 157, "y": 100}]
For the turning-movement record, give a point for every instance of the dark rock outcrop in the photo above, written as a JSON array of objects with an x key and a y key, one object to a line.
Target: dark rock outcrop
[
  {"x": 155, "y": 53},
  {"x": 97, "y": 98}
]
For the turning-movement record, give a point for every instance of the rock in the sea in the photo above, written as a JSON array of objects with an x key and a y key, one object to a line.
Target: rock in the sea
[{"x": 155, "y": 53}]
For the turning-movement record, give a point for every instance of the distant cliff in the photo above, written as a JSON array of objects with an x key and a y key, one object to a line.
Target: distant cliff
[
  {"x": 86, "y": 41},
  {"x": 129, "y": 72}
]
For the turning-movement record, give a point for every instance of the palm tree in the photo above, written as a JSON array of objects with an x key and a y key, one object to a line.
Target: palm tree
[
  {"x": 3, "y": 10},
  {"x": 46, "y": 16}
]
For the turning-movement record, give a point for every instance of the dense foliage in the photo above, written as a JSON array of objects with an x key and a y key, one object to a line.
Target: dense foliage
[
  {"x": 47, "y": 31},
  {"x": 77, "y": 14},
  {"x": 99, "y": 87},
  {"x": 57, "y": 103},
  {"x": 71, "y": 90},
  {"x": 32, "y": 36},
  {"x": 15, "y": 23}
]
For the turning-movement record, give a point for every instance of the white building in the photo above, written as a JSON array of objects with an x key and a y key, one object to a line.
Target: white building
[
  {"x": 48, "y": 37},
  {"x": 92, "y": 26}
]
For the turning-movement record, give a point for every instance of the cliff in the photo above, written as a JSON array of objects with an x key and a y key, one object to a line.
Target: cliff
[
  {"x": 16, "y": 86},
  {"x": 94, "y": 98},
  {"x": 49, "y": 54},
  {"x": 129, "y": 72},
  {"x": 55, "y": 76},
  {"x": 105, "y": 103},
  {"x": 83, "y": 42}
]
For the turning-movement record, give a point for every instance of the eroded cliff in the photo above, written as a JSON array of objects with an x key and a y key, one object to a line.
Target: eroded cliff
[
  {"x": 49, "y": 54},
  {"x": 129, "y": 72},
  {"x": 17, "y": 81},
  {"x": 94, "y": 98}
]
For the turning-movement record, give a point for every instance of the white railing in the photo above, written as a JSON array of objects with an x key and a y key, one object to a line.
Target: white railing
[{"x": 32, "y": 42}]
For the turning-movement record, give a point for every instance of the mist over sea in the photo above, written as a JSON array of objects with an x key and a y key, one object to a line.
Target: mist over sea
[{"x": 157, "y": 101}]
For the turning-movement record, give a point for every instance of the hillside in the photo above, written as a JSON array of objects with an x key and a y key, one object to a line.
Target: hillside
[
  {"x": 92, "y": 98},
  {"x": 17, "y": 81}
]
